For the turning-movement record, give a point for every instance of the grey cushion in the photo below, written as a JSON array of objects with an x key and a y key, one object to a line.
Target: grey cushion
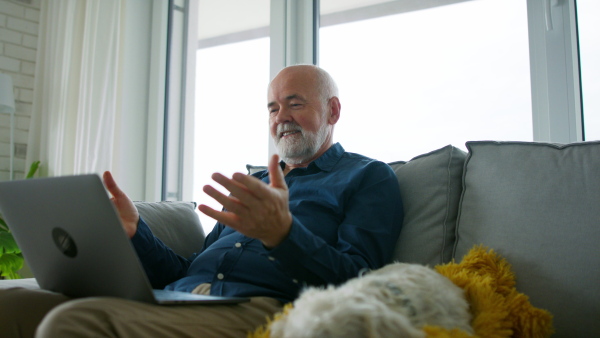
[
  {"x": 174, "y": 223},
  {"x": 430, "y": 186},
  {"x": 538, "y": 205},
  {"x": 255, "y": 168}
]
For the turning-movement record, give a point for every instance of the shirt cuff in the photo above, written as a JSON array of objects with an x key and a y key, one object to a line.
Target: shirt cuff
[{"x": 142, "y": 237}]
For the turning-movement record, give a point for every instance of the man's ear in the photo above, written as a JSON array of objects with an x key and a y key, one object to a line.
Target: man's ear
[{"x": 335, "y": 107}]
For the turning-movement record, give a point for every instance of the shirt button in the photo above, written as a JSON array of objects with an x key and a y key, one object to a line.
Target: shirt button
[
  {"x": 238, "y": 245},
  {"x": 220, "y": 276},
  {"x": 271, "y": 258},
  {"x": 295, "y": 281}
]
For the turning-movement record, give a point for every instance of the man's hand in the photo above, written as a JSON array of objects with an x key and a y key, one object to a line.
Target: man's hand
[
  {"x": 125, "y": 207},
  {"x": 253, "y": 208}
]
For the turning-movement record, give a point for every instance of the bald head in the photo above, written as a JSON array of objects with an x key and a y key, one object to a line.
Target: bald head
[{"x": 312, "y": 76}]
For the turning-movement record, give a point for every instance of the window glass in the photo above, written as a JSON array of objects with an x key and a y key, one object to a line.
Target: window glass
[
  {"x": 174, "y": 117},
  {"x": 589, "y": 56},
  {"x": 232, "y": 75},
  {"x": 418, "y": 80}
]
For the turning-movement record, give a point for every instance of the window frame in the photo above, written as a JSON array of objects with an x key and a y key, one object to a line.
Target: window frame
[
  {"x": 161, "y": 174},
  {"x": 554, "y": 59},
  {"x": 555, "y": 73}
]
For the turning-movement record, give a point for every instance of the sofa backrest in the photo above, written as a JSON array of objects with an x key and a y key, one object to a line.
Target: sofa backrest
[
  {"x": 430, "y": 186},
  {"x": 538, "y": 205}
]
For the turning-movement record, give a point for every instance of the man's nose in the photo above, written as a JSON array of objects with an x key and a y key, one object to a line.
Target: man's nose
[{"x": 283, "y": 115}]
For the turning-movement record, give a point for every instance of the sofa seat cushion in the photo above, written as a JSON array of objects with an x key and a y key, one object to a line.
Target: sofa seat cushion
[
  {"x": 430, "y": 185},
  {"x": 538, "y": 205}
]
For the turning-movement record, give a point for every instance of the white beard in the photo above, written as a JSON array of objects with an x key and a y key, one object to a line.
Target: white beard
[{"x": 302, "y": 146}]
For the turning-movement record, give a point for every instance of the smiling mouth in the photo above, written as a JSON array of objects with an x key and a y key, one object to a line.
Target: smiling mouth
[{"x": 288, "y": 133}]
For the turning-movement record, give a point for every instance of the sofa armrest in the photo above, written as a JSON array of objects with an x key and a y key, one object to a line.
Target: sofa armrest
[{"x": 26, "y": 283}]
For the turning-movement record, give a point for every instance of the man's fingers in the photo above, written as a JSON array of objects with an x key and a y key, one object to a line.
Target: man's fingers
[
  {"x": 125, "y": 207},
  {"x": 224, "y": 217},
  {"x": 255, "y": 188},
  {"x": 108, "y": 179},
  {"x": 276, "y": 174},
  {"x": 237, "y": 188},
  {"x": 111, "y": 184},
  {"x": 230, "y": 203}
]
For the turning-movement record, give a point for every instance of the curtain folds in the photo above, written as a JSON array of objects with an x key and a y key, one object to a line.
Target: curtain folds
[{"x": 76, "y": 104}]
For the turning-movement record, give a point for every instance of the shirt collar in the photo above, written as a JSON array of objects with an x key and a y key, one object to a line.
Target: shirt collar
[{"x": 327, "y": 161}]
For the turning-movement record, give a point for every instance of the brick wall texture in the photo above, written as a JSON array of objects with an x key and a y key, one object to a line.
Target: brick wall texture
[{"x": 19, "y": 25}]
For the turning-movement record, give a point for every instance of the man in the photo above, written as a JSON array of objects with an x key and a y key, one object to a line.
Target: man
[{"x": 318, "y": 217}]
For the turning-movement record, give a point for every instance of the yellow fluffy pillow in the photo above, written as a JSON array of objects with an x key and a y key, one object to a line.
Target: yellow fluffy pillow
[{"x": 498, "y": 309}]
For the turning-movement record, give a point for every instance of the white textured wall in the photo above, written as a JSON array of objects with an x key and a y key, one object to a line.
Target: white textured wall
[{"x": 19, "y": 22}]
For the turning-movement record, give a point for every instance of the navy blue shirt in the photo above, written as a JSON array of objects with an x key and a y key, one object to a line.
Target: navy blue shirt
[{"x": 347, "y": 215}]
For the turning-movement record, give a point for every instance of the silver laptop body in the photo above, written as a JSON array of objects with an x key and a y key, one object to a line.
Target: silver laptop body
[{"x": 74, "y": 243}]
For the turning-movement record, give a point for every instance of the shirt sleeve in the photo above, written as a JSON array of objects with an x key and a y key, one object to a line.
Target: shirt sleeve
[
  {"x": 366, "y": 236},
  {"x": 161, "y": 264}
]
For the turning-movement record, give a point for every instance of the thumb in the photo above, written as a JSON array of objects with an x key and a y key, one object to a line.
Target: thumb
[
  {"x": 276, "y": 174},
  {"x": 111, "y": 185}
]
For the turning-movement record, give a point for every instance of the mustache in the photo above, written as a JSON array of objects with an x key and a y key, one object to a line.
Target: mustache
[{"x": 288, "y": 126}]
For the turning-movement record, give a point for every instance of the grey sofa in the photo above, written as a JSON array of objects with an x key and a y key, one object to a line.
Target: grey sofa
[{"x": 536, "y": 204}]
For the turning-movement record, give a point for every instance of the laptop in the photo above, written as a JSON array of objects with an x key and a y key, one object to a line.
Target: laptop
[{"x": 73, "y": 241}]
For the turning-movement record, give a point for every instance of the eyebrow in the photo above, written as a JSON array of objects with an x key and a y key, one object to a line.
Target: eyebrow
[{"x": 288, "y": 98}]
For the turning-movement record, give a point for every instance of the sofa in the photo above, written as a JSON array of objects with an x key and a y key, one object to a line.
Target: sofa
[{"x": 535, "y": 204}]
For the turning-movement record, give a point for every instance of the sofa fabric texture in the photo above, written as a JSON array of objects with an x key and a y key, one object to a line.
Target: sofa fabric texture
[
  {"x": 430, "y": 185},
  {"x": 175, "y": 223},
  {"x": 538, "y": 205}
]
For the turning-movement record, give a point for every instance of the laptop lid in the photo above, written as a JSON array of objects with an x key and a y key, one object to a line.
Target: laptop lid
[{"x": 73, "y": 240}]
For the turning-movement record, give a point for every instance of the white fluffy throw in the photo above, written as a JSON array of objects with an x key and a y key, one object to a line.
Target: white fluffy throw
[{"x": 394, "y": 301}]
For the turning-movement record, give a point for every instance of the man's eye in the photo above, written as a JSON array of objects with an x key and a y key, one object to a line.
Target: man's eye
[{"x": 272, "y": 111}]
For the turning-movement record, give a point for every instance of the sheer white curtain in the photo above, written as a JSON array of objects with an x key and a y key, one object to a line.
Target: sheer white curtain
[{"x": 76, "y": 102}]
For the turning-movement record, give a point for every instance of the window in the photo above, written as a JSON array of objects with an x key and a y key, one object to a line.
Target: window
[
  {"x": 589, "y": 55},
  {"x": 415, "y": 75},
  {"x": 418, "y": 80},
  {"x": 175, "y": 102},
  {"x": 232, "y": 75}
]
